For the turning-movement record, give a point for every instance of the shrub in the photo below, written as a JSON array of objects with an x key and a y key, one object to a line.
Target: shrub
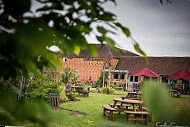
[
  {"x": 113, "y": 86},
  {"x": 107, "y": 90},
  {"x": 93, "y": 90},
  {"x": 63, "y": 96},
  {"x": 69, "y": 76},
  {"x": 120, "y": 85},
  {"x": 40, "y": 89},
  {"x": 71, "y": 96},
  {"x": 99, "y": 83}
]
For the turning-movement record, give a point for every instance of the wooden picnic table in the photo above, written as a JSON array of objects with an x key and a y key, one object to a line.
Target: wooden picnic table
[
  {"x": 133, "y": 94},
  {"x": 127, "y": 101},
  {"x": 76, "y": 88},
  {"x": 138, "y": 115},
  {"x": 136, "y": 89},
  {"x": 175, "y": 92}
]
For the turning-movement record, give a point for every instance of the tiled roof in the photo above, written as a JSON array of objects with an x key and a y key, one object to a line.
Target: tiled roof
[
  {"x": 104, "y": 52},
  {"x": 160, "y": 65}
]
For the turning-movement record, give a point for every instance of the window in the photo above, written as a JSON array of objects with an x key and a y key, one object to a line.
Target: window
[
  {"x": 89, "y": 78},
  {"x": 122, "y": 76},
  {"x": 131, "y": 78},
  {"x": 164, "y": 79},
  {"x": 136, "y": 78},
  {"x": 64, "y": 59},
  {"x": 116, "y": 76}
]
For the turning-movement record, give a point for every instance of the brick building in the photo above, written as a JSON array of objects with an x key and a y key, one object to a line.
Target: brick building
[
  {"x": 90, "y": 68},
  {"x": 117, "y": 66}
]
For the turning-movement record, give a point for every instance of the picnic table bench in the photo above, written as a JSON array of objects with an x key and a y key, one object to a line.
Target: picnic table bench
[
  {"x": 138, "y": 112},
  {"x": 108, "y": 111},
  {"x": 77, "y": 89},
  {"x": 133, "y": 95},
  {"x": 128, "y": 102},
  {"x": 138, "y": 116},
  {"x": 84, "y": 92}
]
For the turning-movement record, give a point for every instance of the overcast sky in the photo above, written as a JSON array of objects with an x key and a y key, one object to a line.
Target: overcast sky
[{"x": 161, "y": 30}]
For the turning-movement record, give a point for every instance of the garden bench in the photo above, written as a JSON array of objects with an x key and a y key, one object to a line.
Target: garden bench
[
  {"x": 138, "y": 116},
  {"x": 150, "y": 114},
  {"x": 133, "y": 95},
  {"x": 84, "y": 92},
  {"x": 108, "y": 111},
  {"x": 121, "y": 107}
]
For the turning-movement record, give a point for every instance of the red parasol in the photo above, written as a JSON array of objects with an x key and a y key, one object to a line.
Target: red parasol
[
  {"x": 181, "y": 74},
  {"x": 145, "y": 72}
]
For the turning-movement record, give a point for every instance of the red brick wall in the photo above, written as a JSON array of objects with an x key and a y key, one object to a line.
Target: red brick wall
[{"x": 88, "y": 67}]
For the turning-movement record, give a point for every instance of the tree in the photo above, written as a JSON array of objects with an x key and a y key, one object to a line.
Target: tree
[
  {"x": 68, "y": 76},
  {"x": 26, "y": 33}
]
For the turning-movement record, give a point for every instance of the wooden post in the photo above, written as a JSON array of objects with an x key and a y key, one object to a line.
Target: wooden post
[
  {"x": 126, "y": 78},
  {"x": 103, "y": 78},
  {"x": 142, "y": 79},
  {"x": 189, "y": 89},
  {"x": 109, "y": 76},
  {"x": 168, "y": 81},
  {"x": 160, "y": 79}
]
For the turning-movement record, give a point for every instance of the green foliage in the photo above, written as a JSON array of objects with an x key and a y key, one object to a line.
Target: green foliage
[
  {"x": 107, "y": 90},
  {"x": 69, "y": 76},
  {"x": 163, "y": 107},
  {"x": 158, "y": 100},
  {"x": 120, "y": 85},
  {"x": 51, "y": 76},
  {"x": 63, "y": 96},
  {"x": 40, "y": 89},
  {"x": 112, "y": 85},
  {"x": 14, "y": 113},
  {"x": 71, "y": 96},
  {"x": 99, "y": 83},
  {"x": 139, "y": 50},
  {"x": 93, "y": 90},
  {"x": 92, "y": 107},
  {"x": 25, "y": 36}
]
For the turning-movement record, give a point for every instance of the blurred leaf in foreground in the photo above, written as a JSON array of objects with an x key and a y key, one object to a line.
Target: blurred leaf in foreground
[
  {"x": 25, "y": 113},
  {"x": 158, "y": 100},
  {"x": 164, "y": 108}
]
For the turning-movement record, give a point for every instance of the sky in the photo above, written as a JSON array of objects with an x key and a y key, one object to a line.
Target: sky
[{"x": 161, "y": 30}]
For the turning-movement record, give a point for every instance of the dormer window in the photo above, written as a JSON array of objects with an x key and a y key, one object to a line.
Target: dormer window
[{"x": 64, "y": 59}]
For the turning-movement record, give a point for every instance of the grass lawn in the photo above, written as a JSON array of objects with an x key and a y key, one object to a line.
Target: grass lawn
[{"x": 92, "y": 107}]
